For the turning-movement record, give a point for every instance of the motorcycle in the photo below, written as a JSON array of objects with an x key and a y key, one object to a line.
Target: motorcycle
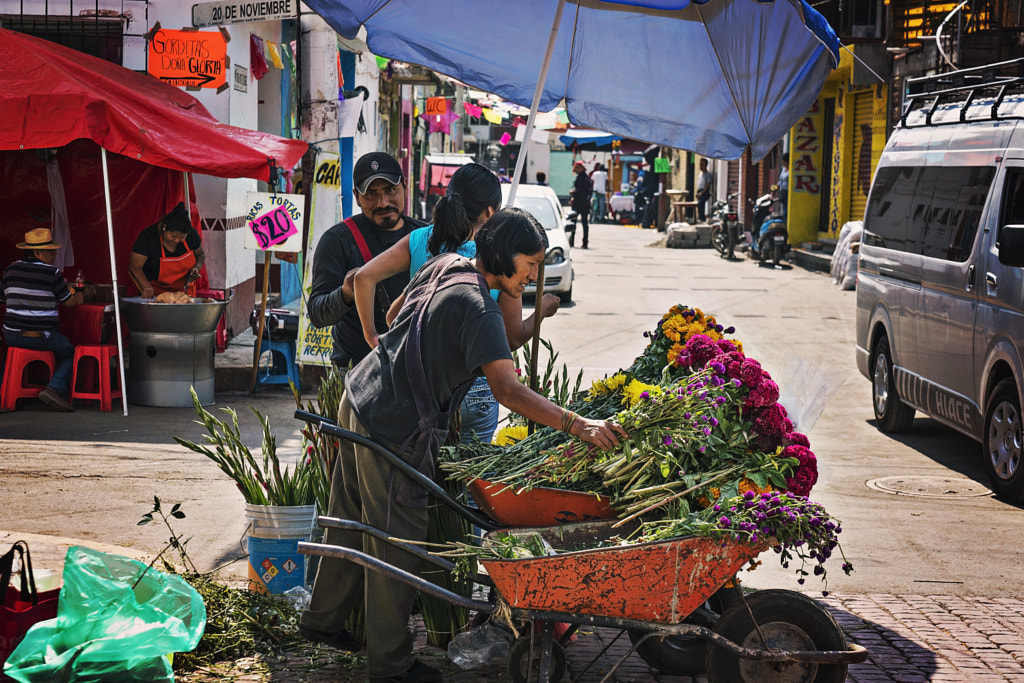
[
  {"x": 770, "y": 235},
  {"x": 725, "y": 227}
]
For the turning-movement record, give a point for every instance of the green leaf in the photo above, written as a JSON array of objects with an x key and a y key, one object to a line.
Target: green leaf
[
  {"x": 178, "y": 514},
  {"x": 156, "y": 504},
  {"x": 176, "y": 507}
]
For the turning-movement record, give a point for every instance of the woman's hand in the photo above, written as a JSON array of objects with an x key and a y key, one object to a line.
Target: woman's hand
[
  {"x": 148, "y": 293},
  {"x": 549, "y": 305},
  {"x": 601, "y": 433},
  {"x": 193, "y": 274}
]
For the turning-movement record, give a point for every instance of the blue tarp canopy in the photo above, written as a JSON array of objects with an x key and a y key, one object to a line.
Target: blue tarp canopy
[{"x": 715, "y": 77}]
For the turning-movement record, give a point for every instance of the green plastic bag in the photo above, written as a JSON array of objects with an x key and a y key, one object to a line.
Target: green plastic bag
[{"x": 106, "y": 630}]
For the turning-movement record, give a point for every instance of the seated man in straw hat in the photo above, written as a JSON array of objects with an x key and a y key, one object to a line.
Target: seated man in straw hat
[{"x": 31, "y": 288}]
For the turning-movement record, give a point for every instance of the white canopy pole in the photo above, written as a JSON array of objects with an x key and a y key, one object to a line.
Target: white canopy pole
[
  {"x": 521, "y": 160},
  {"x": 113, "y": 275}
]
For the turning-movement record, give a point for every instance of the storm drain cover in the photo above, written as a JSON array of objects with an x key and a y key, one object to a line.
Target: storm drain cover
[{"x": 930, "y": 487}]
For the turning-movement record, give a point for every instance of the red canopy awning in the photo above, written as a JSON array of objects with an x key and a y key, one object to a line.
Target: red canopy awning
[{"x": 51, "y": 95}]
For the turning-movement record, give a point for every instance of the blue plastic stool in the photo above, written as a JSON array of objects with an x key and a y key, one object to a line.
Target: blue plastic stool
[{"x": 282, "y": 366}]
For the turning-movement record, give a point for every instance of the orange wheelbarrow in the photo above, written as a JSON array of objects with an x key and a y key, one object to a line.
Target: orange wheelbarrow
[
  {"x": 677, "y": 599},
  {"x": 772, "y": 636}
]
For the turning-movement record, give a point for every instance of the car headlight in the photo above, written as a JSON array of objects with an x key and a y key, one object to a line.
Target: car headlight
[{"x": 554, "y": 256}]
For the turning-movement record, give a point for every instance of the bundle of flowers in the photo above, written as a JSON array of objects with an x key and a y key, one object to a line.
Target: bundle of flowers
[
  {"x": 698, "y": 412},
  {"x": 684, "y": 437},
  {"x": 710, "y": 451}
]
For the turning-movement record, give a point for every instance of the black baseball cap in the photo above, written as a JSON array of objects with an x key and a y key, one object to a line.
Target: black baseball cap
[{"x": 375, "y": 165}]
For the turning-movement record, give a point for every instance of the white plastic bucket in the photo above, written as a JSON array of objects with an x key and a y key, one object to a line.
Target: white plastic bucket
[{"x": 273, "y": 536}]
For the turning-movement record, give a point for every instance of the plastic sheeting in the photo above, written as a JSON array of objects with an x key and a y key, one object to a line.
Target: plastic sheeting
[{"x": 714, "y": 77}]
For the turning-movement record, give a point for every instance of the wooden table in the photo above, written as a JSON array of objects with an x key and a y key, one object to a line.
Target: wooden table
[{"x": 680, "y": 209}]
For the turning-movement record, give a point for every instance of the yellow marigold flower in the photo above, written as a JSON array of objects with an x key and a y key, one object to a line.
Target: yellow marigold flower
[
  {"x": 749, "y": 485},
  {"x": 705, "y": 501},
  {"x": 507, "y": 436},
  {"x": 631, "y": 393},
  {"x": 606, "y": 386}
]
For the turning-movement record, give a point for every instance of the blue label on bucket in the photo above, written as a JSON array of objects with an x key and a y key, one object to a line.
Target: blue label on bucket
[{"x": 275, "y": 563}]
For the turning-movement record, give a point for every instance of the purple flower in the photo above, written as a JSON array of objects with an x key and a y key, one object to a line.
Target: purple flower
[
  {"x": 707, "y": 431},
  {"x": 667, "y": 440},
  {"x": 714, "y": 422},
  {"x": 717, "y": 367},
  {"x": 644, "y": 394},
  {"x": 725, "y": 522}
]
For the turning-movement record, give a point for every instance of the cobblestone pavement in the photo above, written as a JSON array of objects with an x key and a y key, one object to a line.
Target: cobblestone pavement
[{"x": 910, "y": 639}]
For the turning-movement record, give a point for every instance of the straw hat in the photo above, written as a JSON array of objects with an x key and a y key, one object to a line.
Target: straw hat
[{"x": 40, "y": 238}]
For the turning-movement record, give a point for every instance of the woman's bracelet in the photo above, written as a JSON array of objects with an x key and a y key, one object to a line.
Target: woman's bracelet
[{"x": 568, "y": 420}]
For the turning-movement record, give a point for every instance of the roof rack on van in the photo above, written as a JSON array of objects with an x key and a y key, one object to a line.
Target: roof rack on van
[{"x": 1003, "y": 77}]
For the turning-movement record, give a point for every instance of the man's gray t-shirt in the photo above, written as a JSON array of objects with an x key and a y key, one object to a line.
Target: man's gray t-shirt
[{"x": 462, "y": 331}]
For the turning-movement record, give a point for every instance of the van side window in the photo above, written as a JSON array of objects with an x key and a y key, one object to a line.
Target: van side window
[
  {"x": 958, "y": 199},
  {"x": 1013, "y": 199},
  {"x": 889, "y": 207}
]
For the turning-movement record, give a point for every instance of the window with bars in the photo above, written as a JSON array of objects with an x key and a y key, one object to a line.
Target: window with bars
[{"x": 94, "y": 34}]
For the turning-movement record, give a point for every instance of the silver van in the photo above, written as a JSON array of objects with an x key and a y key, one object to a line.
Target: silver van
[{"x": 940, "y": 288}]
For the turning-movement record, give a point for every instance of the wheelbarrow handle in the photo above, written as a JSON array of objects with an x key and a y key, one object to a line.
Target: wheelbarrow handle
[
  {"x": 350, "y": 525},
  {"x": 467, "y": 513},
  {"x": 373, "y": 563}
]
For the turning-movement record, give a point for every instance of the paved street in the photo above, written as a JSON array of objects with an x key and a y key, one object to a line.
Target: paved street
[{"x": 935, "y": 594}]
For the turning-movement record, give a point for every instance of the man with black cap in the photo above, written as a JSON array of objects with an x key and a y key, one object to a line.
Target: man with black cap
[
  {"x": 31, "y": 288},
  {"x": 380, "y": 193}
]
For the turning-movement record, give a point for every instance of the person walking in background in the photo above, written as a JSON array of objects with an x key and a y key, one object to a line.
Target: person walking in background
[
  {"x": 579, "y": 201},
  {"x": 600, "y": 180},
  {"x": 542, "y": 178},
  {"x": 648, "y": 190},
  {"x": 784, "y": 183},
  {"x": 703, "y": 190},
  {"x": 31, "y": 288}
]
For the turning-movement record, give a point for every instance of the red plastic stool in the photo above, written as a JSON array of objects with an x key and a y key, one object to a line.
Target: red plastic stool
[
  {"x": 16, "y": 383},
  {"x": 98, "y": 383}
]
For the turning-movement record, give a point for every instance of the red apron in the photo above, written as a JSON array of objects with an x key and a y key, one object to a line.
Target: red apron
[{"x": 174, "y": 272}]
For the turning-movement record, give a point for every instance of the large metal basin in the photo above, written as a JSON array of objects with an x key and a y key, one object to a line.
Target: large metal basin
[
  {"x": 171, "y": 349},
  {"x": 145, "y": 315}
]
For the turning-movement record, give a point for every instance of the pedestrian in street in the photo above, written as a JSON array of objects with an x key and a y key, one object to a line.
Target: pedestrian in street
[
  {"x": 31, "y": 288},
  {"x": 449, "y": 332},
  {"x": 473, "y": 195},
  {"x": 649, "y": 186},
  {"x": 380, "y": 193},
  {"x": 579, "y": 202},
  {"x": 784, "y": 184},
  {"x": 600, "y": 180},
  {"x": 703, "y": 190}
]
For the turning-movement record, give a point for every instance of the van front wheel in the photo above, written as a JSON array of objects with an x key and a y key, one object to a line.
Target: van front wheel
[
  {"x": 893, "y": 416},
  {"x": 1003, "y": 450}
]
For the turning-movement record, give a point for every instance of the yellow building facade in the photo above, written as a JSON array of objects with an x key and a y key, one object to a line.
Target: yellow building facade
[{"x": 833, "y": 152}]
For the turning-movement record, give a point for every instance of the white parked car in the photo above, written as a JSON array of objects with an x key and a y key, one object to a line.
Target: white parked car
[{"x": 542, "y": 202}]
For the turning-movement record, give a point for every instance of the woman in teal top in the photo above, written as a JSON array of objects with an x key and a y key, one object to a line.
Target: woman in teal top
[{"x": 472, "y": 196}]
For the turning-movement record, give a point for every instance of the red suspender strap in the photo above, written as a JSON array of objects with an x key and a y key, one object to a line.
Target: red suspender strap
[{"x": 360, "y": 240}]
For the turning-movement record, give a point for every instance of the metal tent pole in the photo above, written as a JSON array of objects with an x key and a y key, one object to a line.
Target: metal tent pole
[{"x": 113, "y": 276}]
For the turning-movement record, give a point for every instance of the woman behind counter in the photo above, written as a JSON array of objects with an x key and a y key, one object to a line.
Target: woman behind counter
[{"x": 167, "y": 256}]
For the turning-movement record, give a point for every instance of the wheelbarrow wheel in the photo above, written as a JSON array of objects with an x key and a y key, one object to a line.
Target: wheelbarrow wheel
[
  {"x": 519, "y": 665},
  {"x": 789, "y": 621},
  {"x": 684, "y": 655}
]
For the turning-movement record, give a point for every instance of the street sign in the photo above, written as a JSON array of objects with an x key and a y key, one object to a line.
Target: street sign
[
  {"x": 240, "y": 12},
  {"x": 189, "y": 58}
]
